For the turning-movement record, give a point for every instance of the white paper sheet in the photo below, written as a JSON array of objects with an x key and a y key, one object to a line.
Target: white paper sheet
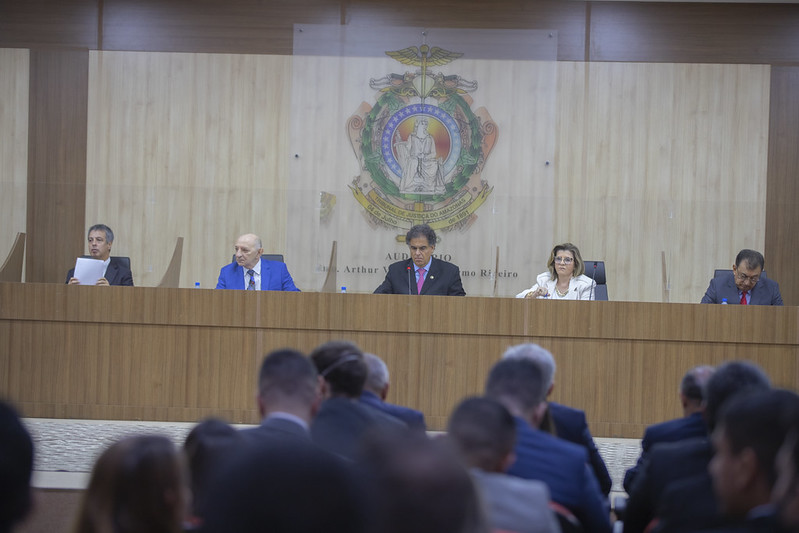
[{"x": 88, "y": 271}]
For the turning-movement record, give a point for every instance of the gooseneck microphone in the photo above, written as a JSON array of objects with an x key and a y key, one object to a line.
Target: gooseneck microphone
[
  {"x": 409, "y": 280},
  {"x": 593, "y": 275}
]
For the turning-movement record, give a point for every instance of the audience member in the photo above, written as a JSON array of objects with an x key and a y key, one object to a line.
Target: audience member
[
  {"x": 419, "y": 486},
  {"x": 16, "y": 467},
  {"x": 484, "y": 433},
  {"x": 521, "y": 386},
  {"x": 692, "y": 423},
  {"x": 689, "y": 501},
  {"x": 562, "y": 421},
  {"x": 138, "y": 485},
  {"x": 375, "y": 391},
  {"x": 342, "y": 421},
  {"x": 785, "y": 495},
  {"x": 286, "y": 489},
  {"x": 207, "y": 445},
  {"x": 289, "y": 395}
]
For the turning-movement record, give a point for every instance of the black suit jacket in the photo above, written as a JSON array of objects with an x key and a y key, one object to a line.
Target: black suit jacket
[
  {"x": 570, "y": 425},
  {"x": 116, "y": 273},
  {"x": 276, "y": 430},
  {"x": 444, "y": 279}
]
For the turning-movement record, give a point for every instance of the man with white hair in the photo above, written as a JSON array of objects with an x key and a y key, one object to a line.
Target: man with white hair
[
  {"x": 375, "y": 391},
  {"x": 564, "y": 422}
]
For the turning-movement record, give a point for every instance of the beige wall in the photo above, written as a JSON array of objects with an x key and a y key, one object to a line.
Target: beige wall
[{"x": 648, "y": 158}]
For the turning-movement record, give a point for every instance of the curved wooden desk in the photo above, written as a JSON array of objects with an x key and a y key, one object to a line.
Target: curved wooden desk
[{"x": 184, "y": 354}]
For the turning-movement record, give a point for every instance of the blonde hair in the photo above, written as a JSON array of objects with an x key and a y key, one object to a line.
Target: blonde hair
[{"x": 579, "y": 266}]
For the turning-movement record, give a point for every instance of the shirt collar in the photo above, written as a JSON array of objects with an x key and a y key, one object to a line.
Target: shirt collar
[{"x": 426, "y": 267}]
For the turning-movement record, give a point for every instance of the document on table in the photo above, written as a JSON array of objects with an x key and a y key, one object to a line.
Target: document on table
[{"x": 88, "y": 270}]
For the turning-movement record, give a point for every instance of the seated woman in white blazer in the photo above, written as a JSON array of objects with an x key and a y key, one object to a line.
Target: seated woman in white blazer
[{"x": 565, "y": 279}]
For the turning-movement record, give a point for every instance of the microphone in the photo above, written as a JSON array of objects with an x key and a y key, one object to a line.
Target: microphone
[
  {"x": 593, "y": 275},
  {"x": 409, "y": 280}
]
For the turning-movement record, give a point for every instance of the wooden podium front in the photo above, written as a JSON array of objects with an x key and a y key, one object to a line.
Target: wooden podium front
[{"x": 133, "y": 353}]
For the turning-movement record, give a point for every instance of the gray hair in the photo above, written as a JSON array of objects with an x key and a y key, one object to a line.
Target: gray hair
[
  {"x": 109, "y": 235},
  {"x": 535, "y": 353},
  {"x": 378, "y": 376}
]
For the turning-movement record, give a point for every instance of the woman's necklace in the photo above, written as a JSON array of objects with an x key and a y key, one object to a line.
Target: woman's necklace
[{"x": 561, "y": 294}]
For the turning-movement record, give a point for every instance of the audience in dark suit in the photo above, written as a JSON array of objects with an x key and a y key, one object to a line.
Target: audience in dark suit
[
  {"x": 692, "y": 423},
  {"x": 484, "y": 433},
  {"x": 682, "y": 460},
  {"x": 375, "y": 391},
  {"x": 16, "y": 467},
  {"x": 785, "y": 495},
  {"x": 562, "y": 421},
  {"x": 343, "y": 421},
  {"x": 521, "y": 386}
]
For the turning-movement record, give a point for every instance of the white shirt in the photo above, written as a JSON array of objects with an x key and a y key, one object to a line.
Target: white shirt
[{"x": 256, "y": 276}]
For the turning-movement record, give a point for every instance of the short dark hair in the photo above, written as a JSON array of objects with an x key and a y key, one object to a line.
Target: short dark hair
[
  {"x": 287, "y": 373},
  {"x": 109, "y": 235},
  {"x": 753, "y": 259},
  {"x": 421, "y": 230},
  {"x": 694, "y": 381},
  {"x": 760, "y": 421},
  {"x": 16, "y": 467},
  {"x": 483, "y": 430},
  {"x": 730, "y": 379},
  {"x": 342, "y": 365},
  {"x": 518, "y": 381}
]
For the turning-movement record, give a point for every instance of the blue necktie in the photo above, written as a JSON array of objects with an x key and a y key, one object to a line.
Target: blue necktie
[{"x": 251, "y": 285}]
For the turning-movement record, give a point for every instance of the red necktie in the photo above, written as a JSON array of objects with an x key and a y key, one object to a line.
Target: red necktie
[
  {"x": 743, "y": 298},
  {"x": 420, "y": 281}
]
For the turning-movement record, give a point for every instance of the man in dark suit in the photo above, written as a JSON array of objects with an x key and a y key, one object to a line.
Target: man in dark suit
[
  {"x": 691, "y": 425},
  {"x": 672, "y": 462},
  {"x": 560, "y": 420},
  {"x": 422, "y": 273},
  {"x": 252, "y": 272},
  {"x": 16, "y": 467},
  {"x": 101, "y": 238},
  {"x": 746, "y": 284},
  {"x": 519, "y": 384},
  {"x": 342, "y": 421},
  {"x": 289, "y": 395},
  {"x": 375, "y": 391}
]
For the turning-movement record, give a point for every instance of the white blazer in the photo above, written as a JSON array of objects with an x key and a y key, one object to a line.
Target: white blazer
[{"x": 580, "y": 288}]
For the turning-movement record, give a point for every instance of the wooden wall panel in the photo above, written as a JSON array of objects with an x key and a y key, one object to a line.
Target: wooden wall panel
[
  {"x": 694, "y": 33},
  {"x": 49, "y": 23},
  {"x": 15, "y": 66},
  {"x": 56, "y": 162},
  {"x": 243, "y": 27},
  {"x": 782, "y": 198}
]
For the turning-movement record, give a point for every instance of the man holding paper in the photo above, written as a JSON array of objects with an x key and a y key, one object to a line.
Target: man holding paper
[{"x": 101, "y": 268}]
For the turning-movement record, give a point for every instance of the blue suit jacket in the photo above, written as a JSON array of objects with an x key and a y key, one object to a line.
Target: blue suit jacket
[
  {"x": 412, "y": 417},
  {"x": 687, "y": 427},
  {"x": 563, "y": 466},
  {"x": 765, "y": 291},
  {"x": 274, "y": 277},
  {"x": 570, "y": 425}
]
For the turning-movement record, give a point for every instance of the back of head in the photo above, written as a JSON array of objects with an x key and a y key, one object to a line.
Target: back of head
[
  {"x": 16, "y": 466},
  {"x": 536, "y": 353},
  {"x": 517, "y": 383},
  {"x": 731, "y": 378},
  {"x": 419, "y": 486},
  {"x": 484, "y": 432},
  {"x": 287, "y": 376},
  {"x": 693, "y": 383},
  {"x": 137, "y": 486},
  {"x": 285, "y": 489},
  {"x": 760, "y": 421},
  {"x": 206, "y": 446},
  {"x": 341, "y": 364},
  {"x": 378, "y": 376}
]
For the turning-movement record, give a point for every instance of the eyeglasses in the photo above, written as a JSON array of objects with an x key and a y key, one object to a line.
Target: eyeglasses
[
  {"x": 747, "y": 279},
  {"x": 564, "y": 260}
]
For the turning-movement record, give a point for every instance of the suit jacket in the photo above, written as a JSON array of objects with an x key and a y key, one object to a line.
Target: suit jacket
[
  {"x": 765, "y": 291},
  {"x": 274, "y": 277},
  {"x": 666, "y": 463},
  {"x": 274, "y": 430},
  {"x": 341, "y": 424},
  {"x": 570, "y": 425},
  {"x": 116, "y": 274},
  {"x": 514, "y": 504},
  {"x": 687, "y": 427},
  {"x": 690, "y": 505},
  {"x": 443, "y": 279},
  {"x": 413, "y": 418},
  {"x": 580, "y": 288},
  {"x": 563, "y": 467}
]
